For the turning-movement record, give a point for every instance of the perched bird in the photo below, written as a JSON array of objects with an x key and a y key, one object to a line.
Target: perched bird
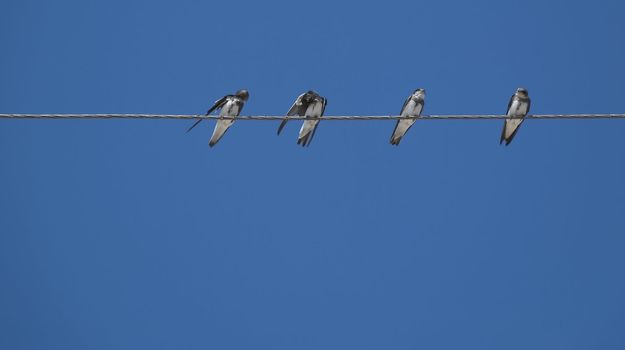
[
  {"x": 310, "y": 105},
  {"x": 230, "y": 106},
  {"x": 412, "y": 108},
  {"x": 518, "y": 107}
]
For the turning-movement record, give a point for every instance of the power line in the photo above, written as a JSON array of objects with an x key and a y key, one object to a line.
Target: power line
[{"x": 271, "y": 117}]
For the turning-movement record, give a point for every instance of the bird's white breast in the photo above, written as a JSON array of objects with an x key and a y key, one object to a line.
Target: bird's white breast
[
  {"x": 230, "y": 108},
  {"x": 314, "y": 109},
  {"x": 412, "y": 108},
  {"x": 517, "y": 108}
]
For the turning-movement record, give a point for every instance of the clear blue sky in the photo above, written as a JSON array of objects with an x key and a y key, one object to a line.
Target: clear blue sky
[{"x": 131, "y": 234}]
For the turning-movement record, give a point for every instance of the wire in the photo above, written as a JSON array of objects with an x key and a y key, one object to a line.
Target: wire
[{"x": 270, "y": 117}]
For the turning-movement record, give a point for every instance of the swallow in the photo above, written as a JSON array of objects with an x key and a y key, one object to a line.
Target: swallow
[
  {"x": 412, "y": 108},
  {"x": 309, "y": 105},
  {"x": 518, "y": 108},
  {"x": 229, "y": 106}
]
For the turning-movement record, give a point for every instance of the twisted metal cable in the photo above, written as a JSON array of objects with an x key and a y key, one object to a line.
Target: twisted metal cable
[{"x": 271, "y": 117}]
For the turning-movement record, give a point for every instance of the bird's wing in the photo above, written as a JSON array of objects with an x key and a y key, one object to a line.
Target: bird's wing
[
  {"x": 218, "y": 104},
  {"x": 298, "y": 108},
  {"x": 510, "y": 103},
  {"x": 194, "y": 124},
  {"x": 404, "y": 106},
  {"x": 395, "y": 130}
]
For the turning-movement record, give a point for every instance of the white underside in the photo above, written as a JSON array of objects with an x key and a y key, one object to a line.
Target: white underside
[
  {"x": 230, "y": 109},
  {"x": 411, "y": 109},
  {"x": 314, "y": 110},
  {"x": 517, "y": 109}
]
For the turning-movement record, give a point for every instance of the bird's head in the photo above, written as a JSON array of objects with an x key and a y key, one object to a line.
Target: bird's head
[
  {"x": 420, "y": 93},
  {"x": 521, "y": 92},
  {"x": 243, "y": 94},
  {"x": 309, "y": 96}
]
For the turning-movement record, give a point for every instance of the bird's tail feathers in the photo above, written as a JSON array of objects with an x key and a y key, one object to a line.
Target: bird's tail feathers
[
  {"x": 302, "y": 140},
  {"x": 395, "y": 140}
]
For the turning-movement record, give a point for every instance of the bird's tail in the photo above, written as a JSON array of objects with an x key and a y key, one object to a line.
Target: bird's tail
[
  {"x": 302, "y": 140},
  {"x": 512, "y": 123},
  {"x": 395, "y": 140}
]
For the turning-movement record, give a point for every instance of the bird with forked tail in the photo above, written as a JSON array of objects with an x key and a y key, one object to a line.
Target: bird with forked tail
[{"x": 229, "y": 106}]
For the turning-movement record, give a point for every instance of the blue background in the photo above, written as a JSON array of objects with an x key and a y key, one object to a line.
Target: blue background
[{"x": 126, "y": 234}]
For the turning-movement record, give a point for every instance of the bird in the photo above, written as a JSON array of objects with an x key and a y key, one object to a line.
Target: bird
[
  {"x": 230, "y": 106},
  {"x": 518, "y": 108},
  {"x": 412, "y": 108},
  {"x": 310, "y": 105}
]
